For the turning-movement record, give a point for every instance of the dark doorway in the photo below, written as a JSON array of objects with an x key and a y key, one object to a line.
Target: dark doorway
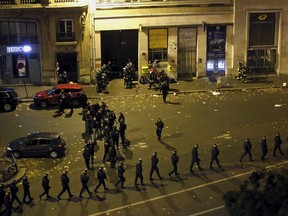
[
  {"x": 68, "y": 62},
  {"x": 118, "y": 47}
]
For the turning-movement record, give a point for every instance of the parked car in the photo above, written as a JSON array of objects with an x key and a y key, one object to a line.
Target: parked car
[
  {"x": 43, "y": 99},
  {"x": 9, "y": 99},
  {"x": 37, "y": 144}
]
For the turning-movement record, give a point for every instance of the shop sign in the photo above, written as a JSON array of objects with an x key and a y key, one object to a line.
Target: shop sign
[{"x": 18, "y": 49}]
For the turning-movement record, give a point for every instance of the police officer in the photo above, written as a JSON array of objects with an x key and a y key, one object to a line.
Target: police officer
[
  {"x": 139, "y": 170},
  {"x": 115, "y": 136},
  {"x": 174, "y": 161},
  {"x": 2, "y": 194},
  {"x": 92, "y": 150},
  {"x": 65, "y": 185},
  {"x": 277, "y": 144},
  {"x": 26, "y": 189},
  {"x": 120, "y": 172},
  {"x": 214, "y": 156},
  {"x": 164, "y": 89},
  {"x": 247, "y": 146},
  {"x": 14, "y": 190},
  {"x": 122, "y": 130},
  {"x": 69, "y": 101},
  {"x": 121, "y": 118},
  {"x": 86, "y": 155},
  {"x": 84, "y": 178},
  {"x": 154, "y": 166},
  {"x": 264, "y": 148},
  {"x": 46, "y": 186},
  {"x": 159, "y": 126},
  {"x": 62, "y": 98},
  {"x": 7, "y": 204},
  {"x": 107, "y": 145},
  {"x": 101, "y": 176},
  {"x": 112, "y": 155},
  {"x": 195, "y": 158}
]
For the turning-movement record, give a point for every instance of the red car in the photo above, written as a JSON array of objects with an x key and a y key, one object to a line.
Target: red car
[{"x": 47, "y": 98}]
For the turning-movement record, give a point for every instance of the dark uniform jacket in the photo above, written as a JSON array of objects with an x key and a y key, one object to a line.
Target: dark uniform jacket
[
  {"x": 154, "y": 161},
  {"x": 84, "y": 179},
  {"x": 65, "y": 181}
]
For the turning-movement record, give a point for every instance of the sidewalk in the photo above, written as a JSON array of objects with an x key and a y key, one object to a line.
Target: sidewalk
[{"x": 116, "y": 89}]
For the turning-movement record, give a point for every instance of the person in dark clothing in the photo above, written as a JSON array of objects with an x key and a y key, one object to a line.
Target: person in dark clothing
[
  {"x": 214, "y": 156},
  {"x": 46, "y": 186},
  {"x": 247, "y": 146},
  {"x": 88, "y": 118},
  {"x": 115, "y": 136},
  {"x": 121, "y": 118},
  {"x": 159, "y": 127},
  {"x": 92, "y": 150},
  {"x": 69, "y": 101},
  {"x": 120, "y": 172},
  {"x": 101, "y": 176},
  {"x": 65, "y": 185},
  {"x": 174, "y": 161},
  {"x": 86, "y": 155},
  {"x": 264, "y": 147},
  {"x": 62, "y": 98},
  {"x": 164, "y": 89},
  {"x": 277, "y": 144},
  {"x": 122, "y": 130},
  {"x": 26, "y": 189},
  {"x": 112, "y": 156},
  {"x": 154, "y": 166},
  {"x": 107, "y": 145},
  {"x": 14, "y": 190},
  {"x": 195, "y": 158},
  {"x": 7, "y": 204},
  {"x": 83, "y": 100},
  {"x": 2, "y": 194},
  {"x": 84, "y": 178},
  {"x": 139, "y": 171}
]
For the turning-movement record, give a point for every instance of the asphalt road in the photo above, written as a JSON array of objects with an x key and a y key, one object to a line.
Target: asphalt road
[{"x": 198, "y": 118}]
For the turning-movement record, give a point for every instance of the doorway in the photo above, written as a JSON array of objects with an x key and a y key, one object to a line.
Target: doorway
[{"x": 68, "y": 62}]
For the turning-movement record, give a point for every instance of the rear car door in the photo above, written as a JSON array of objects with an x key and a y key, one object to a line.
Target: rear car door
[{"x": 30, "y": 148}]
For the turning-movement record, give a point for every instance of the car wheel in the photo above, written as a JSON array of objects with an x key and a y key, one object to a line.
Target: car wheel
[
  {"x": 43, "y": 104},
  {"x": 54, "y": 154},
  {"x": 76, "y": 103},
  {"x": 7, "y": 107},
  {"x": 16, "y": 154}
]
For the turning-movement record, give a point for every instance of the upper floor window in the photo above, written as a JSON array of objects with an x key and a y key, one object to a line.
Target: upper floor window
[
  {"x": 65, "y": 30},
  {"x": 262, "y": 29},
  {"x": 18, "y": 32}
]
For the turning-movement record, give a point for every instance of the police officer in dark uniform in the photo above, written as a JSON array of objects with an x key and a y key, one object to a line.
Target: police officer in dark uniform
[
  {"x": 121, "y": 118},
  {"x": 195, "y": 158},
  {"x": 115, "y": 136},
  {"x": 247, "y": 146},
  {"x": 7, "y": 204},
  {"x": 277, "y": 144},
  {"x": 264, "y": 148},
  {"x": 214, "y": 156},
  {"x": 86, "y": 155},
  {"x": 107, "y": 145},
  {"x": 139, "y": 170},
  {"x": 14, "y": 190},
  {"x": 174, "y": 161},
  {"x": 164, "y": 89},
  {"x": 120, "y": 172},
  {"x": 2, "y": 194},
  {"x": 122, "y": 130},
  {"x": 46, "y": 186},
  {"x": 101, "y": 176},
  {"x": 159, "y": 126},
  {"x": 112, "y": 155},
  {"x": 65, "y": 185},
  {"x": 154, "y": 166},
  {"x": 26, "y": 189},
  {"x": 84, "y": 178},
  {"x": 92, "y": 150},
  {"x": 69, "y": 101},
  {"x": 62, "y": 100}
]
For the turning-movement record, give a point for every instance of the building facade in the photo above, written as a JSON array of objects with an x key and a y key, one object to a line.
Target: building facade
[{"x": 190, "y": 38}]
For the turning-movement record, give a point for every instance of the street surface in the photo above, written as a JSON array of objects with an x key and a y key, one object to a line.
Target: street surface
[{"x": 197, "y": 118}]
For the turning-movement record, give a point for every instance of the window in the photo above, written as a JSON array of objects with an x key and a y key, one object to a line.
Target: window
[
  {"x": 65, "y": 31},
  {"x": 262, "y": 29},
  {"x": 44, "y": 142},
  {"x": 32, "y": 142},
  {"x": 14, "y": 32},
  {"x": 158, "y": 39}
]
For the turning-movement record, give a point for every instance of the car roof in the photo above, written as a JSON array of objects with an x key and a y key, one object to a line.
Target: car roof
[
  {"x": 47, "y": 135},
  {"x": 6, "y": 89},
  {"x": 69, "y": 86}
]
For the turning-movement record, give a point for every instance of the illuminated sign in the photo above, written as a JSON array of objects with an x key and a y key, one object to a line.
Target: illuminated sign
[{"x": 17, "y": 49}]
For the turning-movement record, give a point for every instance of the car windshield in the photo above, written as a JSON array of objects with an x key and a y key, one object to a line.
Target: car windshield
[
  {"x": 13, "y": 93},
  {"x": 51, "y": 91}
]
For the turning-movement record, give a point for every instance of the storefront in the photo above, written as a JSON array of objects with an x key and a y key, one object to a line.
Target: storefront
[{"x": 20, "y": 62}]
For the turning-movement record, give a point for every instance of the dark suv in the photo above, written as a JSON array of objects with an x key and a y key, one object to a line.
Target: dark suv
[
  {"x": 38, "y": 144},
  {"x": 9, "y": 99},
  {"x": 47, "y": 98}
]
